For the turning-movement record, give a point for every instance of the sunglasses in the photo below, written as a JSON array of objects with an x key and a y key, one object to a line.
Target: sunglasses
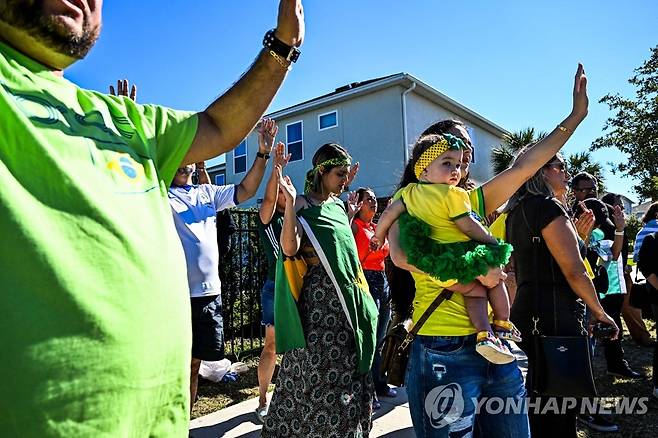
[
  {"x": 558, "y": 165},
  {"x": 184, "y": 171}
]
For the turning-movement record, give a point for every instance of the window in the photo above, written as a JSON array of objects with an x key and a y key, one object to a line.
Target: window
[
  {"x": 220, "y": 180},
  {"x": 295, "y": 141},
  {"x": 471, "y": 133},
  {"x": 240, "y": 158},
  {"x": 328, "y": 120}
]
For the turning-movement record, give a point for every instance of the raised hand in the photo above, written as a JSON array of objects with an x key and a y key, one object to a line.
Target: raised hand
[
  {"x": 286, "y": 185},
  {"x": 353, "y": 171},
  {"x": 585, "y": 222},
  {"x": 280, "y": 157},
  {"x": 122, "y": 90},
  {"x": 290, "y": 26},
  {"x": 266, "y": 133},
  {"x": 618, "y": 218},
  {"x": 353, "y": 204},
  {"x": 580, "y": 99}
]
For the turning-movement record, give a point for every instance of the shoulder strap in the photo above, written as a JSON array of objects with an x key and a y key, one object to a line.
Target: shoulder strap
[
  {"x": 444, "y": 295},
  {"x": 536, "y": 241}
]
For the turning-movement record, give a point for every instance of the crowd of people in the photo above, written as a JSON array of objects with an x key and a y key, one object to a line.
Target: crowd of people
[{"x": 119, "y": 243}]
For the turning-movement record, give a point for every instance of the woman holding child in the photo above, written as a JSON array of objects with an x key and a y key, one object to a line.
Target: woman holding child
[{"x": 443, "y": 356}]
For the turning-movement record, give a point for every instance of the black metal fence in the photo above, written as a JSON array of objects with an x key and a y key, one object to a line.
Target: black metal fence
[{"x": 243, "y": 272}]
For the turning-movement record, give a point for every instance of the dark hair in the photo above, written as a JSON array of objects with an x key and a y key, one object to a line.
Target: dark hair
[
  {"x": 651, "y": 213},
  {"x": 421, "y": 145},
  {"x": 611, "y": 198},
  {"x": 400, "y": 282},
  {"x": 535, "y": 185},
  {"x": 360, "y": 192},
  {"x": 325, "y": 152},
  {"x": 583, "y": 176}
]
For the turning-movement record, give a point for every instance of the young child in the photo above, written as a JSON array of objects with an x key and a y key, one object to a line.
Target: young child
[{"x": 441, "y": 239}]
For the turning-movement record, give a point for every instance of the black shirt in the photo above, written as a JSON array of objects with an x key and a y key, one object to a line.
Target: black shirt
[{"x": 539, "y": 211}]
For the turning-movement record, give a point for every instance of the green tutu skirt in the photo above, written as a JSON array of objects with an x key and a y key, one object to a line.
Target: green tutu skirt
[{"x": 461, "y": 261}]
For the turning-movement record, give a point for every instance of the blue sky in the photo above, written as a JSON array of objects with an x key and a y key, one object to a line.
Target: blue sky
[{"x": 511, "y": 61}]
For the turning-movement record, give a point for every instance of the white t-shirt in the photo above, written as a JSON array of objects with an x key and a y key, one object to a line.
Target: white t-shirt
[{"x": 194, "y": 209}]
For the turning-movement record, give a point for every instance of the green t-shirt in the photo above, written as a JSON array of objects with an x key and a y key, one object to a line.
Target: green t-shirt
[
  {"x": 95, "y": 328},
  {"x": 270, "y": 236}
]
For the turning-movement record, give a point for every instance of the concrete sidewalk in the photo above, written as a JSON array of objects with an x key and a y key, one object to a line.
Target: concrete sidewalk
[{"x": 391, "y": 421}]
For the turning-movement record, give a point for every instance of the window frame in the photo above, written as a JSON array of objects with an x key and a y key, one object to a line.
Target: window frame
[
  {"x": 223, "y": 175},
  {"x": 301, "y": 140},
  {"x": 320, "y": 128},
  {"x": 246, "y": 152}
]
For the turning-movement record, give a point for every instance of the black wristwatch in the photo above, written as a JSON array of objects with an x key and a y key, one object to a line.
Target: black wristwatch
[
  {"x": 289, "y": 53},
  {"x": 262, "y": 155}
]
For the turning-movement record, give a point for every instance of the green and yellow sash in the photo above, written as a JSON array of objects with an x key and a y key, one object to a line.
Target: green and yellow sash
[{"x": 328, "y": 229}]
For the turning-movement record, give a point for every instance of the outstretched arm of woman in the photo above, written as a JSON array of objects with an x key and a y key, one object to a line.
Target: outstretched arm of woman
[
  {"x": 560, "y": 238},
  {"x": 499, "y": 189}
]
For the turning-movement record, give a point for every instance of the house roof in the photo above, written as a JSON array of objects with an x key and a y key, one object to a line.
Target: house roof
[{"x": 399, "y": 79}]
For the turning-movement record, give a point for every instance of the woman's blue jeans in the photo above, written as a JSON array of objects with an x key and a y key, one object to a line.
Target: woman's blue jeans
[{"x": 446, "y": 377}]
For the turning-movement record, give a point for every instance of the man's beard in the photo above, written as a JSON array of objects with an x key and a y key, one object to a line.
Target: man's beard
[{"x": 27, "y": 15}]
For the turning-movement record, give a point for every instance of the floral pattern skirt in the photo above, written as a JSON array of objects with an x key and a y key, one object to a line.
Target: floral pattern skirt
[{"x": 318, "y": 391}]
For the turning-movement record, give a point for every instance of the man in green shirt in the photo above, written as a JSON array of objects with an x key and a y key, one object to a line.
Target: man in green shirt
[{"x": 95, "y": 331}]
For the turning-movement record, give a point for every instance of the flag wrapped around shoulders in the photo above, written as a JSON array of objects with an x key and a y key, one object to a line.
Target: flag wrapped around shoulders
[{"x": 328, "y": 229}]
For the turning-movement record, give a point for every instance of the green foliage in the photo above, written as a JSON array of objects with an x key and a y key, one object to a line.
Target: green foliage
[
  {"x": 633, "y": 226},
  {"x": 633, "y": 130},
  {"x": 503, "y": 155}
]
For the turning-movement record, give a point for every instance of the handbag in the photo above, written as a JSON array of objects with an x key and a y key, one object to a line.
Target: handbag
[
  {"x": 295, "y": 269},
  {"x": 562, "y": 365},
  {"x": 397, "y": 343}
]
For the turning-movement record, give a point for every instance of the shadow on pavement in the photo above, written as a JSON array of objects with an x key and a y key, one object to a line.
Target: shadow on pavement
[
  {"x": 220, "y": 429},
  {"x": 402, "y": 433}
]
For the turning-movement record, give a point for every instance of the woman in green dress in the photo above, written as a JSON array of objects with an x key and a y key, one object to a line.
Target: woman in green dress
[{"x": 326, "y": 329}]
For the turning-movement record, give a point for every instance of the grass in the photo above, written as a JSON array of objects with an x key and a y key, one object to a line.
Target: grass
[
  {"x": 213, "y": 396},
  {"x": 630, "y": 425}
]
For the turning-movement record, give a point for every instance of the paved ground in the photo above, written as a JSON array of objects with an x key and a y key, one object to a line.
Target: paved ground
[{"x": 391, "y": 421}]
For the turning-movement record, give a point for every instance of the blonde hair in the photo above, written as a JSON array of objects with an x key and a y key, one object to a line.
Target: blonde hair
[{"x": 535, "y": 185}]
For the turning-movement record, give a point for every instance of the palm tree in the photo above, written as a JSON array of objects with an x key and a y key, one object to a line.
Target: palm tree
[
  {"x": 583, "y": 162},
  {"x": 503, "y": 155}
]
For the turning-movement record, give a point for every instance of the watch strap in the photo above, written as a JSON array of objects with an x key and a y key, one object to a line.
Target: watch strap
[
  {"x": 271, "y": 42},
  {"x": 262, "y": 155}
]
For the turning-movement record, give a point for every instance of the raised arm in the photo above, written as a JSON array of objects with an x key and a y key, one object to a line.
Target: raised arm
[
  {"x": 619, "y": 220},
  {"x": 268, "y": 206},
  {"x": 291, "y": 231},
  {"x": 234, "y": 114},
  {"x": 202, "y": 173},
  {"x": 499, "y": 189},
  {"x": 249, "y": 184},
  {"x": 560, "y": 238}
]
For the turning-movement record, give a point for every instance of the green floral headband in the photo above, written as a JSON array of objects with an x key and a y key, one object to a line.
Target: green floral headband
[{"x": 332, "y": 162}]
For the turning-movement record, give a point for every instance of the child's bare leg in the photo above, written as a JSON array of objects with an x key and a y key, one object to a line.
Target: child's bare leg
[
  {"x": 499, "y": 301},
  {"x": 475, "y": 299}
]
